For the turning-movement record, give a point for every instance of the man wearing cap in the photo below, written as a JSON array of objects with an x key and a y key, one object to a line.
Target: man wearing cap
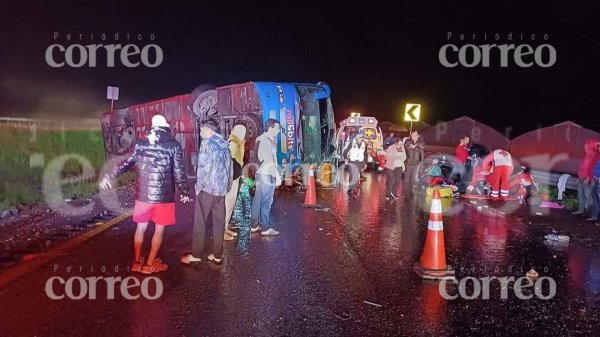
[
  {"x": 158, "y": 162},
  {"x": 356, "y": 156},
  {"x": 214, "y": 177}
]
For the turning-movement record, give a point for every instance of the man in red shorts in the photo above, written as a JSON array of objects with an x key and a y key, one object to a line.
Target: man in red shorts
[{"x": 158, "y": 162}]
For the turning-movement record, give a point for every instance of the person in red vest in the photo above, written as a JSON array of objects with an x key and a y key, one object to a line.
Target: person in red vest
[{"x": 502, "y": 167}]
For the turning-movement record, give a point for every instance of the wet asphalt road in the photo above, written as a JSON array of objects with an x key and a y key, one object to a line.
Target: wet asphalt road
[{"x": 346, "y": 272}]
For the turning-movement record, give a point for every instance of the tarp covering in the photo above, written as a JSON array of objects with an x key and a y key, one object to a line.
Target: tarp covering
[
  {"x": 447, "y": 134},
  {"x": 557, "y": 148}
]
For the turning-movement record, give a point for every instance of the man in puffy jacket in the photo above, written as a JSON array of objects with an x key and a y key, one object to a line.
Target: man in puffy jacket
[
  {"x": 213, "y": 181},
  {"x": 158, "y": 163},
  {"x": 586, "y": 176}
]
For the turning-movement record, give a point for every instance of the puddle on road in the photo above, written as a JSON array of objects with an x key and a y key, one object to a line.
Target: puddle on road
[{"x": 480, "y": 241}]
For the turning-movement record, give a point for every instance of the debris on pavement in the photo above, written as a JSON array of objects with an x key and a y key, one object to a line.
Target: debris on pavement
[
  {"x": 532, "y": 274},
  {"x": 556, "y": 237},
  {"x": 343, "y": 316},
  {"x": 373, "y": 304}
]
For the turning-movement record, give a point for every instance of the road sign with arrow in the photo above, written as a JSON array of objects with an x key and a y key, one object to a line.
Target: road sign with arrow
[{"x": 412, "y": 113}]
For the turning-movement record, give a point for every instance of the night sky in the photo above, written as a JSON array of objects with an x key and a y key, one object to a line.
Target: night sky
[{"x": 376, "y": 57}]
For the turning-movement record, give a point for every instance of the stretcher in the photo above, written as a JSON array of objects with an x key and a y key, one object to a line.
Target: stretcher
[{"x": 487, "y": 197}]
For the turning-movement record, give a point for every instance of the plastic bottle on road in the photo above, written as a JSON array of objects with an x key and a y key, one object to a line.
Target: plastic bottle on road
[{"x": 556, "y": 237}]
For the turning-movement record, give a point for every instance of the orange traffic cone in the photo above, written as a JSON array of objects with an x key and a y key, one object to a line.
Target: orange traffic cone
[
  {"x": 432, "y": 264},
  {"x": 310, "y": 197}
]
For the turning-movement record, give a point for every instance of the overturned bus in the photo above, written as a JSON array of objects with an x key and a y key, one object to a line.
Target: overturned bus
[{"x": 304, "y": 111}]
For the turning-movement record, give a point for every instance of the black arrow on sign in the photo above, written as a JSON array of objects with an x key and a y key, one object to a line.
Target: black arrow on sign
[{"x": 410, "y": 112}]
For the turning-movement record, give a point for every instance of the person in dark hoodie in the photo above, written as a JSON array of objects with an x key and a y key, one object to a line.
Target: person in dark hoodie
[
  {"x": 158, "y": 162},
  {"x": 586, "y": 176},
  {"x": 214, "y": 179}
]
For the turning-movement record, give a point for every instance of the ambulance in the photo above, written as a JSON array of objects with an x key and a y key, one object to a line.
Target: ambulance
[{"x": 354, "y": 124}]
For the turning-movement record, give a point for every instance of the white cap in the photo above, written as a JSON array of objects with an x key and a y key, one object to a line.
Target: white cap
[{"x": 160, "y": 120}]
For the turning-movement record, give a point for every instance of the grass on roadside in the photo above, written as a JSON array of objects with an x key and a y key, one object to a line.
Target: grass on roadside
[{"x": 26, "y": 156}]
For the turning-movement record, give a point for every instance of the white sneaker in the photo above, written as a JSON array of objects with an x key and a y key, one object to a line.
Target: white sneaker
[
  {"x": 212, "y": 258},
  {"x": 270, "y": 232},
  {"x": 189, "y": 258}
]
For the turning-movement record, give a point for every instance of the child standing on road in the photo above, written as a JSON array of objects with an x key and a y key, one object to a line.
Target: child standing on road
[{"x": 242, "y": 215}]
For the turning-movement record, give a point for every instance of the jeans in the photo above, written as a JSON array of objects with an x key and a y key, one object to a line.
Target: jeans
[
  {"x": 584, "y": 192},
  {"x": 463, "y": 182},
  {"x": 263, "y": 200},
  {"x": 392, "y": 180},
  {"x": 411, "y": 175},
  {"x": 595, "y": 210},
  {"x": 209, "y": 218},
  {"x": 354, "y": 170}
]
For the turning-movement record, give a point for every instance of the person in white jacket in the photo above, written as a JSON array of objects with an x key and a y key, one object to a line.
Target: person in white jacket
[{"x": 394, "y": 168}]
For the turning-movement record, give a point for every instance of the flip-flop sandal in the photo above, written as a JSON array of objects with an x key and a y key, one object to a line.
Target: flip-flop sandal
[
  {"x": 156, "y": 267},
  {"x": 137, "y": 266}
]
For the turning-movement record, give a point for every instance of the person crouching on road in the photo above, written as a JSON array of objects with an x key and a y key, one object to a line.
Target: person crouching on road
[
  {"x": 526, "y": 185},
  {"x": 158, "y": 162},
  {"x": 214, "y": 177},
  {"x": 394, "y": 168},
  {"x": 356, "y": 156}
]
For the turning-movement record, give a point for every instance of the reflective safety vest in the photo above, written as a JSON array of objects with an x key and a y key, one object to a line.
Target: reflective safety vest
[{"x": 357, "y": 153}]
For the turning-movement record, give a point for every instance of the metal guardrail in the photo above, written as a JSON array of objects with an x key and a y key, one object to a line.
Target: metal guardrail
[
  {"x": 549, "y": 178},
  {"x": 81, "y": 124}
]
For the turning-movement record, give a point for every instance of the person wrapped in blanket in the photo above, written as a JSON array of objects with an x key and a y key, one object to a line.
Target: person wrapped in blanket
[
  {"x": 527, "y": 185},
  {"x": 434, "y": 174},
  {"x": 435, "y": 178},
  {"x": 242, "y": 215}
]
